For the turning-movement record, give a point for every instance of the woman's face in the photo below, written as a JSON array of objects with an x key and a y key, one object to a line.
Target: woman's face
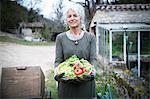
[{"x": 73, "y": 19}]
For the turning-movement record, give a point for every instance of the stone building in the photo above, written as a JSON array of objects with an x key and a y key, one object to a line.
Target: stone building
[
  {"x": 123, "y": 36},
  {"x": 31, "y": 31}
]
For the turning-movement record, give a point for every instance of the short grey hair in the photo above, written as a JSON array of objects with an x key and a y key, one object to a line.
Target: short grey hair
[{"x": 78, "y": 9}]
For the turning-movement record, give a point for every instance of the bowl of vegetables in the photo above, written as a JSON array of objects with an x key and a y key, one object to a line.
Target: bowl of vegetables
[{"x": 74, "y": 67}]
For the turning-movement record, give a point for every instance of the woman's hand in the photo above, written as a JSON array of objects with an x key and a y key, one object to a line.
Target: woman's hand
[
  {"x": 59, "y": 77},
  {"x": 90, "y": 77}
]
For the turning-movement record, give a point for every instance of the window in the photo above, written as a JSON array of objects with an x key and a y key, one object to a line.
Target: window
[{"x": 117, "y": 46}]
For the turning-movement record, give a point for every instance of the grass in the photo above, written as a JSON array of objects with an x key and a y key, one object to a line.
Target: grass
[
  {"x": 24, "y": 42},
  {"x": 51, "y": 85}
]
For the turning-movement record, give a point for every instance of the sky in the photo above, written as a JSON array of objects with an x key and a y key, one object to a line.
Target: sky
[{"x": 46, "y": 6}]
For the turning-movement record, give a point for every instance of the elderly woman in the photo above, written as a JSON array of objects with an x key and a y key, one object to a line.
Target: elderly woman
[{"x": 77, "y": 42}]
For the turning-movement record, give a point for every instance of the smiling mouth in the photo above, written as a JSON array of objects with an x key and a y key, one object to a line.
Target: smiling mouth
[{"x": 73, "y": 22}]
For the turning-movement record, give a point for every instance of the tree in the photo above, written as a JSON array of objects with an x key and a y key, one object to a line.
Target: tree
[
  {"x": 90, "y": 9},
  {"x": 58, "y": 19},
  {"x": 46, "y": 32},
  {"x": 33, "y": 15},
  {"x": 11, "y": 14},
  {"x": 32, "y": 5},
  {"x": 56, "y": 24}
]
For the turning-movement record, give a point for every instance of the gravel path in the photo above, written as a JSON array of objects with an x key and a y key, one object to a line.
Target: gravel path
[{"x": 12, "y": 55}]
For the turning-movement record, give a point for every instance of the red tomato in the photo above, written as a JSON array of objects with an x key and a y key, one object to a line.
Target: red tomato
[{"x": 78, "y": 71}]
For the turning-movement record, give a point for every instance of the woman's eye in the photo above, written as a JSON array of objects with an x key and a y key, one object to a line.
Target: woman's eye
[
  {"x": 75, "y": 16},
  {"x": 69, "y": 16}
]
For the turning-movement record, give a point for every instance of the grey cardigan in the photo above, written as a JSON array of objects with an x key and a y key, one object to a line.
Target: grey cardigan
[{"x": 83, "y": 48}]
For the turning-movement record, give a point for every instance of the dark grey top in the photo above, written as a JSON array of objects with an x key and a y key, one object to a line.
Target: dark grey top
[{"x": 83, "y": 48}]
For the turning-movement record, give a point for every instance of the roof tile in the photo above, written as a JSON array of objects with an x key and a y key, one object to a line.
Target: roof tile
[{"x": 124, "y": 7}]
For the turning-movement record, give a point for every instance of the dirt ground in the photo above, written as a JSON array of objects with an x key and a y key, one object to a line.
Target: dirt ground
[{"x": 13, "y": 55}]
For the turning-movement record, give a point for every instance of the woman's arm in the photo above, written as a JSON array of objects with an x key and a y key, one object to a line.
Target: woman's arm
[
  {"x": 93, "y": 59},
  {"x": 59, "y": 51}
]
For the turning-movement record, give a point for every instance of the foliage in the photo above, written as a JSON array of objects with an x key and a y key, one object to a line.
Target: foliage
[
  {"x": 135, "y": 87},
  {"x": 51, "y": 84},
  {"x": 32, "y": 15},
  {"x": 11, "y": 14},
  {"x": 55, "y": 25},
  {"x": 58, "y": 22},
  {"x": 106, "y": 86},
  {"x": 116, "y": 50},
  {"x": 46, "y": 32}
]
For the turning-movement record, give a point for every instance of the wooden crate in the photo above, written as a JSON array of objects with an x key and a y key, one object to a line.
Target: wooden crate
[{"x": 22, "y": 82}]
